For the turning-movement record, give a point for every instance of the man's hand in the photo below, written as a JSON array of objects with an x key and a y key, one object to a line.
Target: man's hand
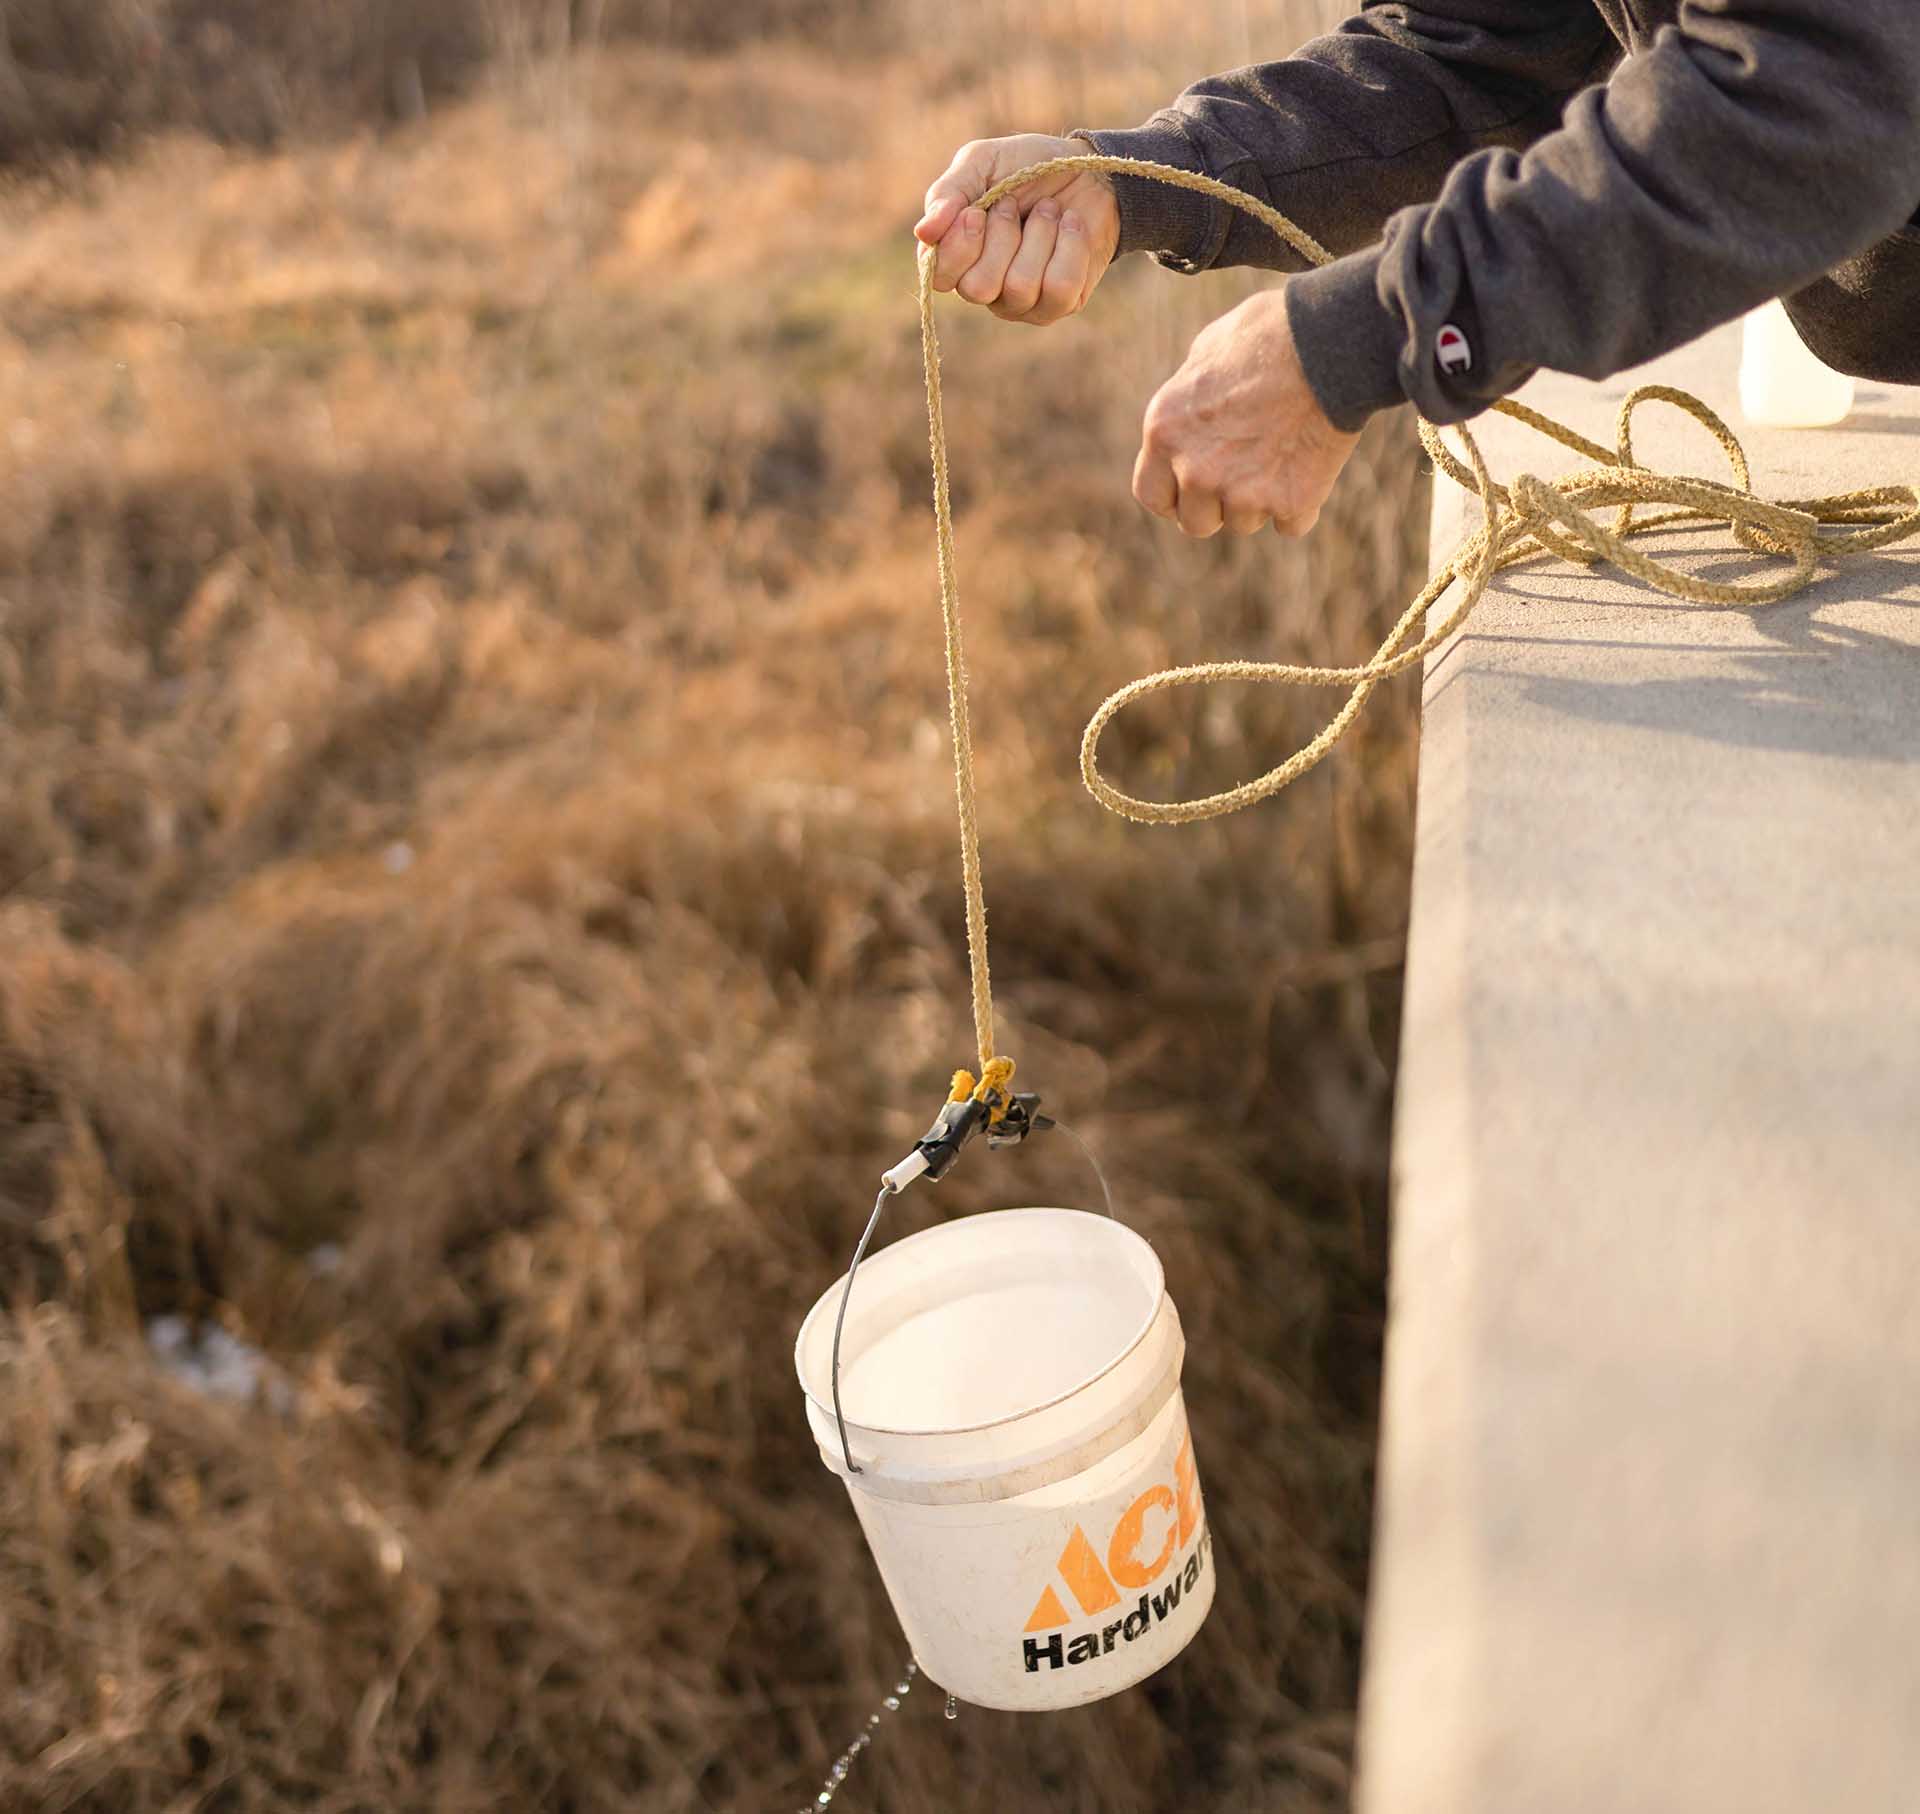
[
  {"x": 1235, "y": 439},
  {"x": 1039, "y": 255}
]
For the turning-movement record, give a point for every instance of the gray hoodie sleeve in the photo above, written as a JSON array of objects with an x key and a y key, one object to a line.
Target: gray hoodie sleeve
[{"x": 1741, "y": 153}]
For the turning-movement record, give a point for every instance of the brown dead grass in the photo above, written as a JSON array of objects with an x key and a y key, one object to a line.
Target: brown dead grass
[
  {"x": 473, "y": 793},
  {"x": 101, "y": 76}
]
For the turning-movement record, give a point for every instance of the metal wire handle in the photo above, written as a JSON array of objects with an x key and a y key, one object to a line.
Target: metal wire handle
[{"x": 860, "y": 1253}]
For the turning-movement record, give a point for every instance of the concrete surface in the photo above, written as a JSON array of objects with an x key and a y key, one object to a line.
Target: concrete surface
[{"x": 1649, "y": 1528}]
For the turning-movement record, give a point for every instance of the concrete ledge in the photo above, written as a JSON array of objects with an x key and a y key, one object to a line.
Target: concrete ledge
[{"x": 1649, "y": 1528}]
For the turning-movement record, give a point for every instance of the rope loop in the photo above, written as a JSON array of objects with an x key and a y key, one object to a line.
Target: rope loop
[{"x": 1529, "y": 519}]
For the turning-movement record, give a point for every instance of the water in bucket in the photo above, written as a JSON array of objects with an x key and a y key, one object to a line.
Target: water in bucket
[{"x": 1011, "y": 1385}]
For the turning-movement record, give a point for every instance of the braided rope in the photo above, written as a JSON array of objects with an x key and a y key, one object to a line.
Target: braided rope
[{"x": 1523, "y": 520}]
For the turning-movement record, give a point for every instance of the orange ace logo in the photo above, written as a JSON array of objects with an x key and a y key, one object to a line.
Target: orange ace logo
[{"x": 1145, "y": 1541}]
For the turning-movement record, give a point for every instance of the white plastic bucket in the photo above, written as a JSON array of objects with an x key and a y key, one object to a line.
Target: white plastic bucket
[{"x": 1011, "y": 1384}]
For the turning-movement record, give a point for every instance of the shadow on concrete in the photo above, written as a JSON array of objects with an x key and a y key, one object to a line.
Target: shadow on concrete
[
  {"x": 1836, "y": 672},
  {"x": 1767, "y": 705},
  {"x": 1902, "y": 427}
]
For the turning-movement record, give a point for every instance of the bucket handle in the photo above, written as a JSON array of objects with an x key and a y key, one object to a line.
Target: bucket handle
[{"x": 888, "y": 1188}]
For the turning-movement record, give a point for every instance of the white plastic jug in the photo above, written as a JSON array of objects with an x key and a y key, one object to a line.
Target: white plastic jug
[
  {"x": 1011, "y": 1385},
  {"x": 1782, "y": 384}
]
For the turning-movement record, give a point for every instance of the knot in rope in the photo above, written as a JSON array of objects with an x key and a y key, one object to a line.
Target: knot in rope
[{"x": 995, "y": 1075}]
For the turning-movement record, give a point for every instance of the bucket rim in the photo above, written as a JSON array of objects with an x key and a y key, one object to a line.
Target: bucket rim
[{"x": 827, "y": 1299}]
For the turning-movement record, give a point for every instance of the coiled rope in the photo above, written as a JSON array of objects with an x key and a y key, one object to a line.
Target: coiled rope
[{"x": 1524, "y": 520}]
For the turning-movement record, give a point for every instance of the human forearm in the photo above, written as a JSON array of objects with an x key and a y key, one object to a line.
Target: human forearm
[
  {"x": 1743, "y": 154},
  {"x": 1355, "y": 125}
]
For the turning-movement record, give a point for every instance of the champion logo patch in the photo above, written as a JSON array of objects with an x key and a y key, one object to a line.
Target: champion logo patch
[{"x": 1450, "y": 348}]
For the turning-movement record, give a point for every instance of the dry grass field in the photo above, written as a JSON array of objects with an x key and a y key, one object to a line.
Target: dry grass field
[{"x": 479, "y": 907}]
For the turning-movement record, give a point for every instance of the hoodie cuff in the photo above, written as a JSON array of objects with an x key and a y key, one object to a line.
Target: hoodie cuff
[
  {"x": 1182, "y": 229},
  {"x": 1349, "y": 340}
]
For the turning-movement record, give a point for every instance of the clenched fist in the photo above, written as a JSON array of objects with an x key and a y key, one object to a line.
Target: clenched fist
[
  {"x": 1236, "y": 439},
  {"x": 1037, "y": 257}
]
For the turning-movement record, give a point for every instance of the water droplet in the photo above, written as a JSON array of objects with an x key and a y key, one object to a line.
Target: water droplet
[{"x": 953, "y": 1708}]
